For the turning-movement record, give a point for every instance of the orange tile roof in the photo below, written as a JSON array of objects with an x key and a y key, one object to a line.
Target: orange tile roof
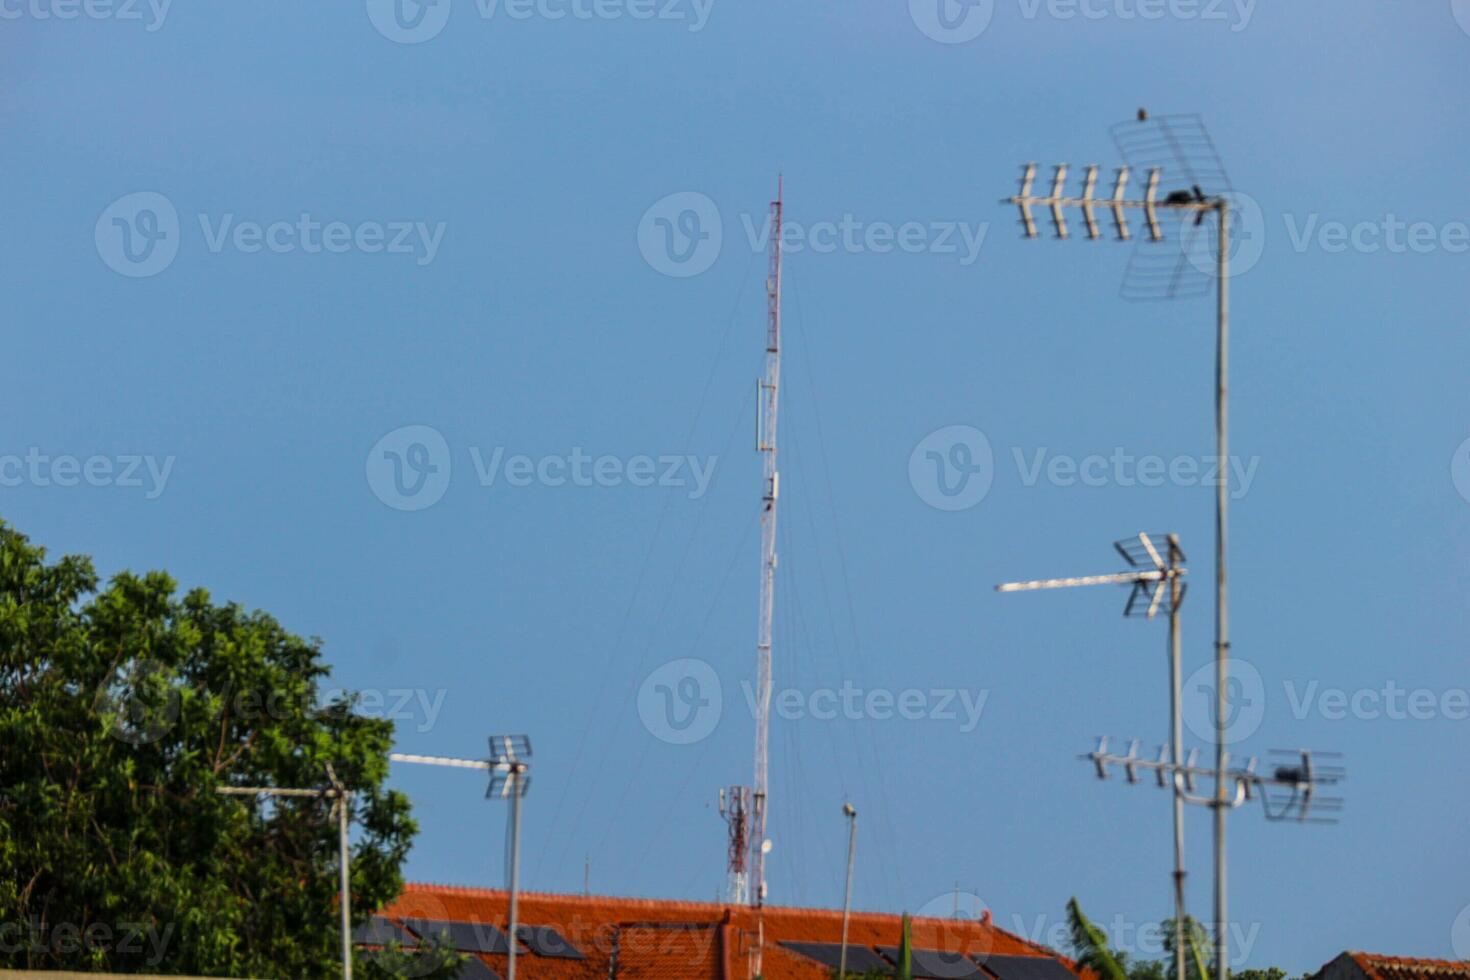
[
  {"x": 650, "y": 938},
  {"x": 1378, "y": 967}
]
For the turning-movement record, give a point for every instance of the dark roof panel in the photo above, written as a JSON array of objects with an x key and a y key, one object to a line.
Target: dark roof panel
[
  {"x": 1027, "y": 968},
  {"x": 546, "y": 941},
  {"x": 936, "y": 964},
  {"x": 860, "y": 959},
  {"x": 465, "y": 937},
  {"x": 379, "y": 931}
]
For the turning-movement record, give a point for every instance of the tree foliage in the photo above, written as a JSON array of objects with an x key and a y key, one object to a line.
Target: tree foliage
[{"x": 122, "y": 708}]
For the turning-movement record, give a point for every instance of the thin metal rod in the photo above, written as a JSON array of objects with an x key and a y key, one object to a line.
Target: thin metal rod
[
  {"x": 515, "y": 874},
  {"x": 269, "y": 791},
  {"x": 1222, "y": 608},
  {"x": 1122, "y": 578},
  {"x": 344, "y": 864},
  {"x": 847, "y": 892},
  {"x": 1081, "y": 202},
  {"x": 439, "y": 760},
  {"x": 1176, "y": 729}
]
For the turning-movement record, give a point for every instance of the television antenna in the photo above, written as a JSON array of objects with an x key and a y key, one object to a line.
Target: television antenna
[
  {"x": 334, "y": 790},
  {"x": 510, "y": 777},
  {"x": 1155, "y": 141},
  {"x": 1157, "y": 580},
  {"x": 1290, "y": 790}
]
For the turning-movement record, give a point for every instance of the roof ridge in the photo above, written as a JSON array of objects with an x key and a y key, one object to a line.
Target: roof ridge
[{"x": 1415, "y": 960}]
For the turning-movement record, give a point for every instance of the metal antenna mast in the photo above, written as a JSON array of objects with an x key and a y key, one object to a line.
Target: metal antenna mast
[
  {"x": 1158, "y": 584},
  {"x": 1185, "y": 203},
  {"x": 510, "y": 777},
  {"x": 766, "y": 405}
]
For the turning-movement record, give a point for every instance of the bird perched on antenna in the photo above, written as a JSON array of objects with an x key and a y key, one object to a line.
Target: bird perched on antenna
[{"x": 1143, "y": 115}]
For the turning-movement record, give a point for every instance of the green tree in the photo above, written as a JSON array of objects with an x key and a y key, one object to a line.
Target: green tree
[
  {"x": 1090, "y": 946},
  {"x": 122, "y": 708}
]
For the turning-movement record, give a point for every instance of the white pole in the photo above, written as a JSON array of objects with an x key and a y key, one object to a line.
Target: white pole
[
  {"x": 1176, "y": 728},
  {"x": 1222, "y": 609},
  {"x": 344, "y": 859},
  {"x": 847, "y": 893},
  {"x": 515, "y": 865}
]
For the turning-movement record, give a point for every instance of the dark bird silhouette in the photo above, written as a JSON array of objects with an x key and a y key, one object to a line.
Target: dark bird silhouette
[{"x": 1143, "y": 115}]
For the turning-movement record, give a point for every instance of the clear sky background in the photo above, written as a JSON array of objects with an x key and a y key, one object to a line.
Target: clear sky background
[{"x": 540, "y": 325}]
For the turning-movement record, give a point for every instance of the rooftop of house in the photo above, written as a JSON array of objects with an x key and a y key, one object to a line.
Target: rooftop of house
[
  {"x": 1354, "y": 965},
  {"x": 579, "y": 936}
]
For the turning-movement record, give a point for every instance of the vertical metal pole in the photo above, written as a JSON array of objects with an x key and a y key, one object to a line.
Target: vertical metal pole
[
  {"x": 771, "y": 387},
  {"x": 345, "y": 871},
  {"x": 847, "y": 892},
  {"x": 1222, "y": 608},
  {"x": 515, "y": 867},
  {"x": 1176, "y": 729}
]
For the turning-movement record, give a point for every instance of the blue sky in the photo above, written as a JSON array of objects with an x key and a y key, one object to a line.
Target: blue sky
[{"x": 372, "y": 234}]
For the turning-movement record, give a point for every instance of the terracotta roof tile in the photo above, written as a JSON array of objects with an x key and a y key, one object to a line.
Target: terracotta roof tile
[
  {"x": 656, "y": 939},
  {"x": 1379, "y": 967}
]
